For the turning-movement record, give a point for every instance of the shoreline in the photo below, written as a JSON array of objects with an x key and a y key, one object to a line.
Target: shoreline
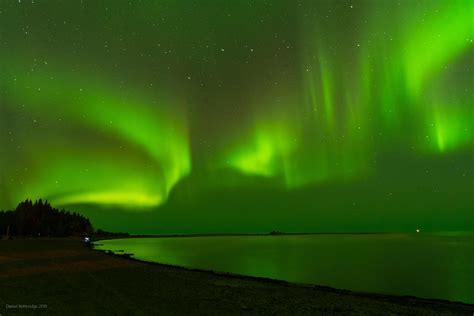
[
  {"x": 185, "y": 235},
  {"x": 387, "y": 297},
  {"x": 70, "y": 278},
  {"x": 102, "y": 237}
]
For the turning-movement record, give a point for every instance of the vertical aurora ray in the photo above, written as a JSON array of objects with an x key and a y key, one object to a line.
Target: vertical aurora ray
[
  {"x": 433, "y": 41},
  {"x": 383, "y": 94},
  {"x": 430, "y": 47},
  {"x": 408, "y": 59},
  {"x": 451, "y": 129},
  {"x": 449, "y": 120},
  {"x": 294, "y": 111},
  {"x": 327, "y": 91},
  {"x": 300, "y": 150}
]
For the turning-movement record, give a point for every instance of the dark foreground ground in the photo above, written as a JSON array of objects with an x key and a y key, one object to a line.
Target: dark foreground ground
[{"x": 68, "y": 278}]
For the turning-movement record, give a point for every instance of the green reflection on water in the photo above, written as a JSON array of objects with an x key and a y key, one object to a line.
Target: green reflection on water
[{"x": 425, "y": 265}]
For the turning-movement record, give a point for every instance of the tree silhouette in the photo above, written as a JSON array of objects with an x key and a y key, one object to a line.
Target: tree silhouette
[{"x": 41, "y": 219}]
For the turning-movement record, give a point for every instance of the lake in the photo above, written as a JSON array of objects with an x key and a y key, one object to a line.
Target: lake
[{"x": 425, "y": 265}]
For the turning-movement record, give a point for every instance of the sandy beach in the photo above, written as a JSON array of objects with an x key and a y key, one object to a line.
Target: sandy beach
[{"x": 62, "y": 277}]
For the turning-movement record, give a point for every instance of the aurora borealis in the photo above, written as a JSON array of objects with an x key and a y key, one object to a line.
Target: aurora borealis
[{"x": 241, "y": 116}]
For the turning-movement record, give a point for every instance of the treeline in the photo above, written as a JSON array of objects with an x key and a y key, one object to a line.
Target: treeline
[
  {"x": 103, "y": 233},
  {"x": 41, "y": 219}
]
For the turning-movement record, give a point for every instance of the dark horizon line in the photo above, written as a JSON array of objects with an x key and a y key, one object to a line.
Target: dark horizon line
[{"x": 273, "y": 234}]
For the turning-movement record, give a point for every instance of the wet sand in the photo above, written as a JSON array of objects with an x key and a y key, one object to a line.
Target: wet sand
[{"x": 63, "y": 277}]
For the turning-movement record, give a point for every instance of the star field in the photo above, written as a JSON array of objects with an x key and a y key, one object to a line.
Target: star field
[{"x": 222, "y": 116}]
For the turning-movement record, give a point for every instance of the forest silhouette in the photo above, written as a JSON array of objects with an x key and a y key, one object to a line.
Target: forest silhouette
[{"x": 39, "y": 218}]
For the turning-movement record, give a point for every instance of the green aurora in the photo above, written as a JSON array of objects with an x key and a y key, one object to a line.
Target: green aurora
[{"x": 241, "y": 116}]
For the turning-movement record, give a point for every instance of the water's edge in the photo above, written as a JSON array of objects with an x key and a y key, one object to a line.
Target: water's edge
[{"x": 387, "y": 297}]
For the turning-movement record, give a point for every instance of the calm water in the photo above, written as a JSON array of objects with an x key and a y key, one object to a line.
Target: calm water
[{"x": 424, "y": 265}]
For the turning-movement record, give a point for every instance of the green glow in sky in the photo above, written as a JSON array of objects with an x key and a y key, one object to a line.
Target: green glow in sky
[
  {"x": 190, "y": 116},
  {"x": 84, "y": 177}
]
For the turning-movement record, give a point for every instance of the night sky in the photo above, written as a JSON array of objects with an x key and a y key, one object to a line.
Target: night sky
[{"x": 181, "y": 116}]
